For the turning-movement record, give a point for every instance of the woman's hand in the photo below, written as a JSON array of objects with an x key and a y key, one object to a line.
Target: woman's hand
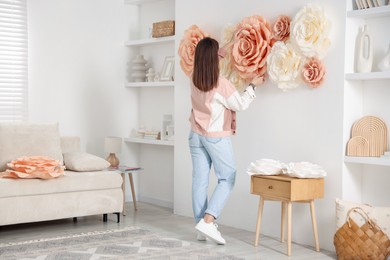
[{"x": 258, "y": 80}]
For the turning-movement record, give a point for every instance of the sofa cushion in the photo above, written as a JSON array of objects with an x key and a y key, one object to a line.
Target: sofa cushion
[
  {"x": 70, "y": 144},
  {"x": 21, "y": 139},
  {"x": 70, "y": 182},
  {"x": 84, "y": 162}
]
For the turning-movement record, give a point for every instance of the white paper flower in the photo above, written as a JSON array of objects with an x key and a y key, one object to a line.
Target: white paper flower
[
  {"x": 226, "y": 69},
  {"x": 310, "y": 31},
  {"x": 265, "y": 167},
  {"x": 304, "y": 170},
  {"x": 228, "y": 34},
  {"x": 237, "y": 81},
  {"x": 225, "y": 66},
  {"x": 284, "y": 65}
]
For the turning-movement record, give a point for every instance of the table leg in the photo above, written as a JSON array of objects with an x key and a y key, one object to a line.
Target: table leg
[
  {"x": 289, "y": 217},
  {"x": 314, "y": 222},
  {"x": 124, "y": 192},
  {"x": 283, "y": 221},
  {"x": 258, "y": 223},
  {"x": 132, "y": 190}
]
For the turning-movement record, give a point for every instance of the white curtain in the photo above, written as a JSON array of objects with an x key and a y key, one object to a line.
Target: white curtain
[{"x": 13, "y": 60}]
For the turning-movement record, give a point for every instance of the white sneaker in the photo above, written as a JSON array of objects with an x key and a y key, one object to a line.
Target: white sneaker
[
  {"x": 210, "y": 230},
  {"x": 201, "y": 237}
]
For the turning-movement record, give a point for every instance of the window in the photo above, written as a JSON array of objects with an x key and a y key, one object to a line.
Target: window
[{"x": 13, "y": 60}]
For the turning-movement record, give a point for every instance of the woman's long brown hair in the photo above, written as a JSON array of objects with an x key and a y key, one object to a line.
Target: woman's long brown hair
[{"x": 206, "y": 64}]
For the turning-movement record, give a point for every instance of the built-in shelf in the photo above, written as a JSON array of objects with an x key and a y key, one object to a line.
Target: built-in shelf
[
  {"x": 367, "y": 160},
  {"x": 368, "y": 76},
  {"x": 370, "y": 12},
  {"x": 150, "y": 41},
  {"x": 149, "y": 84},
  {"x": 149, "y": 141}
]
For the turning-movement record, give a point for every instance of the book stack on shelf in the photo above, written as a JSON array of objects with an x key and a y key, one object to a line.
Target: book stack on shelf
[
  {"x": 154, "y": 135},
  {"x": 364, "y": 4}
]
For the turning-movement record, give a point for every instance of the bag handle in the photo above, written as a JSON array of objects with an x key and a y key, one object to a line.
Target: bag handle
[{"x": 362, "y": 213}]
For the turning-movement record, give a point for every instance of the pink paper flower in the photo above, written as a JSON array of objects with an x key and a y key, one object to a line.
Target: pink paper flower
[
  {"x": 41, "y": 167},
  {"x": 281, "y": 28},
  {"x": 187, "y": 47},
  {"x": 252, "y": 44},
  {"x": 313, "y": 72}
]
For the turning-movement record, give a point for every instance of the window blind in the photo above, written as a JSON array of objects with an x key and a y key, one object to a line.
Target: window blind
[{"x": 13, "y": 60}]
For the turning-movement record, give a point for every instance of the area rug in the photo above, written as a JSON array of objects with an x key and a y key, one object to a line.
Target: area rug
[{"x": 127, "y": 243}]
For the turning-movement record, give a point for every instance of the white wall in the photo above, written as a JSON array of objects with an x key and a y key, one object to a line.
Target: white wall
[
  {"x": 77, "y": 69},
  {"x": 300, "y": 125},
  {"x": 77, "y": 63}
]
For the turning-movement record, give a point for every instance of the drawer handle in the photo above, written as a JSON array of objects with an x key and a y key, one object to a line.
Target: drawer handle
[{"x": 270, "y": 187}]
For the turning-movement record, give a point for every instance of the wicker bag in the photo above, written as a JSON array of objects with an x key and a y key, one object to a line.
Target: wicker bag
[{"x": 361, "y": 243}]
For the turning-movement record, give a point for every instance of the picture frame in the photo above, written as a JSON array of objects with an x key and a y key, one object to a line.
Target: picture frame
[{"x": 168, "y": 69}]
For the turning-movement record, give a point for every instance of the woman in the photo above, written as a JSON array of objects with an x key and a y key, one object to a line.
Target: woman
[{"x": 214, "y": 103}]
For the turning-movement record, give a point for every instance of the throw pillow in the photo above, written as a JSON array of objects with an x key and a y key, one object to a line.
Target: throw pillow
[
  {"x": 84, "y": 162},
  {"x": 22, "y": 139},
  {"x": 380, "y": 215}
]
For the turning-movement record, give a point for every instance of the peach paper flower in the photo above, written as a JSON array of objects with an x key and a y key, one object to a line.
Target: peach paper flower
[
  {"x": 187, "y": 47},
  {"x": 309, "y": 31},
  {"x": 252, "y": 44},
  {"x": 284, "y": 65},
  {"x": 281, "y": 28},
  {"x": 313, "y": 73},
  {"x": 41, "y": 167}
]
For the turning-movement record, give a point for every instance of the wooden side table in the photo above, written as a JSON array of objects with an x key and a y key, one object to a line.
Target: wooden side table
[
  {"x": 123, "y": 169},
  {"x": 287, "y": 190}
]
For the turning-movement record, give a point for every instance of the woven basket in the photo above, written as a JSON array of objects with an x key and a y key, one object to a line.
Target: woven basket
[
  {"x": 164, "y": 28},
  {"x": 361, "y": 243}
]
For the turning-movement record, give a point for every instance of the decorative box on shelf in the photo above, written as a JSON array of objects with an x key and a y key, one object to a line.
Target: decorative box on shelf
[{"x": 163, "y": 28}]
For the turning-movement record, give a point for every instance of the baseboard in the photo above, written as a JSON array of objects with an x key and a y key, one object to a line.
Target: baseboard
[{"x": 157, "y": 202}]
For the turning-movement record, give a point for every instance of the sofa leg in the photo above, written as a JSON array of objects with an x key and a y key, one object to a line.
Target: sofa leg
[
  {"x": 104, "y": 217},
  {"x": 75, "y": 219},
  {"x": 118, "y": 217}
]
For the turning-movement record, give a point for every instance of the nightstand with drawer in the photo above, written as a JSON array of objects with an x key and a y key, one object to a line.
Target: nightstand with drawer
[{"x": 287, "y": 190}]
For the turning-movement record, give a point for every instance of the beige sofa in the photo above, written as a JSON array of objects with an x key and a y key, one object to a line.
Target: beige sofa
[{"x": 82, "y": 193}]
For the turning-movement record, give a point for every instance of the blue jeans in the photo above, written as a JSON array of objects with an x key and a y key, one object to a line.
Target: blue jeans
[{"x": 204, "y": 152}]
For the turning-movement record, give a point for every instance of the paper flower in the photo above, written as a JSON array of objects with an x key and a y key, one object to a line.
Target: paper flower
[
  {"x": 281, "y": 28},
  {"x": 252, "y": 44},
  {"x": 290, "y": 52},
  {"x": 284, "y": 65},
  {"x": 313, "y": 72},
  {"x": 304, "y": 170},
  {"x": 187, "y": 47},
  {"x": 41, "y": 167},
  {"x": 265, "y": 167},
  {"x": 309, "y": 31},
  {"x": 228, "y": 35}
]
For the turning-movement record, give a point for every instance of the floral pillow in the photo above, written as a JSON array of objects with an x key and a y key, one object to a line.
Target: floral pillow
[
  {"x": 84, "y": 162},
  {"x": 380, "y": 215}
]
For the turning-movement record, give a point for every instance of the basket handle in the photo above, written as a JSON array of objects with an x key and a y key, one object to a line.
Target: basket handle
[{"x": 362, "y": 213}]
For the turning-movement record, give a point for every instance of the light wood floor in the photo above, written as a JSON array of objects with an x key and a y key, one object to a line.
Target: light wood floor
[{"x": 163, "y": 221}]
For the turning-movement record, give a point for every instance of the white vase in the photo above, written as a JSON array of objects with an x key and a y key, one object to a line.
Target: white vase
[
  {"x": 384, "y": 64},
  {"x": 364, "y": 51},
  {"x": 139, "y": 69},
  {"x": 150, "y": 75}
]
